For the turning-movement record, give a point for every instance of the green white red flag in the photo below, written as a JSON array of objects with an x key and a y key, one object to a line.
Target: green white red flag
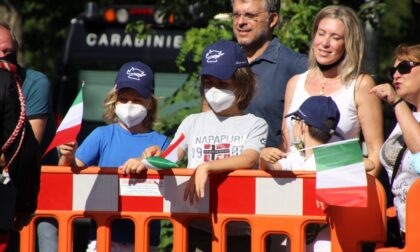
[
  {"x": 168, "y": 158},
  {"x": 70, "y": 126},
  {"x": 341, "y": 176}
]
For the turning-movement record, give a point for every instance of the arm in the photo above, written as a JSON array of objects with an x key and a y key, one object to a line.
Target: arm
[
  {"x": 290, "y": 89},
  {"x": 408, "y": 124},
  {"x": 37, "y": 91},
  {"x": 272, "y": 166},
  {"x": 369, "y": 112},
  {"x": 195, "y": 186},
  {"x": 38, "y": 127}
]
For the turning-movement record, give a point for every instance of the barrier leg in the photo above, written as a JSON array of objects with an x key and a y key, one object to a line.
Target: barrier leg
[{"x": 27, "y": 240}]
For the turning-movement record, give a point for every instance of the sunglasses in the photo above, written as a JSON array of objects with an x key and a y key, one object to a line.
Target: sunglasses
[{"x": 403, "y": 68}]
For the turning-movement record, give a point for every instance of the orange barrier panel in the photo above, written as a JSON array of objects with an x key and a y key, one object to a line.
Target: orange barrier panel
[
  {"x": 412, "y": 235},
  {"x": 271, "y": 202}
]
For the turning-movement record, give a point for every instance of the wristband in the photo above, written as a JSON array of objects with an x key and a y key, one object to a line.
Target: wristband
[{"x": 398, "y": 101}]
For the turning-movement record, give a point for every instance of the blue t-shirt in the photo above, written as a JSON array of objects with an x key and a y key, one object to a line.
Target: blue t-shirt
[
  {"x": 111, "y": 145},
  {"x": 38, "y": 99},
  {"x": 273, "y": 69}
]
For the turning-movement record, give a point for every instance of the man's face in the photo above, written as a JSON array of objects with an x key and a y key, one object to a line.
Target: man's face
[
  {"x": 6, "y": 43},
  {"x": 251, "y": 22}
]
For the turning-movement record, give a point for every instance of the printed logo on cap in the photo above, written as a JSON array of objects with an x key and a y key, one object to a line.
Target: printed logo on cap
[
  {"x": 135, "y": 73},
  {"x": 213, "y": 55}
]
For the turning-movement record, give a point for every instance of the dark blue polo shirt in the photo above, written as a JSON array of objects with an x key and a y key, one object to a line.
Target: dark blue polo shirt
[{"x": 273, "y": 69}]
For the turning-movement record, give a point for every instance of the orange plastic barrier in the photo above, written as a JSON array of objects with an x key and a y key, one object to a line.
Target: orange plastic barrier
[
  {"x": 412, "y": 225},
  {"x": 271, "y": 202}
]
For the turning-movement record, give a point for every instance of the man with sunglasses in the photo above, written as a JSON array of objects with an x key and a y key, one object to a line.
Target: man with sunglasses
[
  {"x": 400, "y": 153},
  {"x": 273, "y": 63}
]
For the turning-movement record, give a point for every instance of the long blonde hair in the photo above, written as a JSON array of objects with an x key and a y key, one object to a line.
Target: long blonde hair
[{"x": 351, "y": 65}]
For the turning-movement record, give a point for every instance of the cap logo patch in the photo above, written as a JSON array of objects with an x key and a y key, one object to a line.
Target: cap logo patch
[
  {"x": 135, "y": 73},
  {"x": 213, "y": 55}
]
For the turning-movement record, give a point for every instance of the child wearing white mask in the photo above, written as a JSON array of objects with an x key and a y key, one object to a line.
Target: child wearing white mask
[
  {"x": 223, "y": 138},
  {"x": 130, "y": 111},
  {"x": 314, "y": 123}
]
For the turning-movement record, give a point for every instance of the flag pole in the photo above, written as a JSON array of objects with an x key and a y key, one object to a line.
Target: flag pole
[{"x": 324, "y": 145}]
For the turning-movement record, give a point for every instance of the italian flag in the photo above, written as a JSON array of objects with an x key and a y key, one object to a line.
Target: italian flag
[
  {"x": 70, "y": 126},
  {"x": 341, "y": 176},
  {"x": 168, "y": 158}
]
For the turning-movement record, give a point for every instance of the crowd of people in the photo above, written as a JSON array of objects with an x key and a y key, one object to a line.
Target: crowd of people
[{"x": 283, "y": 101}]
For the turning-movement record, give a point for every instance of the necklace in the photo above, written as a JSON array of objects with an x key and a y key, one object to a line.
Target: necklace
[{"x": 325, "y": 84}]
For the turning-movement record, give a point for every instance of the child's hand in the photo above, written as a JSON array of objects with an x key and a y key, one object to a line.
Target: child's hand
[
  {"x": 196, "y": 185},
  {"x": 151, "y": 151},
  {"x": 68, "y": 149},
  {"x": 133, "y": 166},
  {"x": 67, "y": 154},
  {"x": 272, "y": 155}
]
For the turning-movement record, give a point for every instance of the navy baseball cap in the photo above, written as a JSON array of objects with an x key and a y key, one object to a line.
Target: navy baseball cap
[
  {"x": 138, "y": 76},
  {"x": 222, "y": 58},
  {"x": 316, "y": 110}
]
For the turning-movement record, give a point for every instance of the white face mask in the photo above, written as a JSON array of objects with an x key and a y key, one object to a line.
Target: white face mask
[
  {"x": 130, "y": 114},
  {"x": 297, "y": 141},
  {"x": 219, "y": 99}
]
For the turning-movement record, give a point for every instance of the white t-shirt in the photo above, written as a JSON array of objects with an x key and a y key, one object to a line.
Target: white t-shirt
[
  {"x": 406, "y": 174},
  {"x": 348, "y": 126},
  {"x": 295, "y": 161},
  {"x": 212, "y": 137}
]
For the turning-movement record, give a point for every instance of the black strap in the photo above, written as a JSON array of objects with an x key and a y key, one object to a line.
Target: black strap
[{"x": 397, "y": 163}]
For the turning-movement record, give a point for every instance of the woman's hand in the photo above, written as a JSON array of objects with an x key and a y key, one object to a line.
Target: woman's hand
[
  {"x": 272, "y": 155},
  {"x": 195, "y": 189},
  {"x": 385, "y": 92}
]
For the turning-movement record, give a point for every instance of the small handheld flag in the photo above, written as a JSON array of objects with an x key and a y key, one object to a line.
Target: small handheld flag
[
  {"x": 341, "y": 176},
  {"x": 70, "y": 126},
  {"x": 158, "y": 163},
  {"x": 168, "y": 158}
]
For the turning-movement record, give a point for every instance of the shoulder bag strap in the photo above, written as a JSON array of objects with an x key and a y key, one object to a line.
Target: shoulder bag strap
[{"x": 398, "y": 163}]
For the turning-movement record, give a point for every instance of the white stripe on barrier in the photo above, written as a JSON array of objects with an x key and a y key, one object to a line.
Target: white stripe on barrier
[
  {"x": 279, "y": 196},
  {"x": 95, "y": 192},
  {"x": 174, "y": 187}
]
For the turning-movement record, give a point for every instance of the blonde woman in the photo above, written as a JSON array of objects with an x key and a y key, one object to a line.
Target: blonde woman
[{"x": 335, "y": 70}]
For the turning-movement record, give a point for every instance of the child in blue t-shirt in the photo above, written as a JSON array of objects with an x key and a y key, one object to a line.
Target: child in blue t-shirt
[{"x": 131, "y": 111}]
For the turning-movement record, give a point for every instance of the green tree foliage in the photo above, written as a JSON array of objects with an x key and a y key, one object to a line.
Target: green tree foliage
[
  {"x": 44, "y": 29},
  {"x": 296, "y": 26}
]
